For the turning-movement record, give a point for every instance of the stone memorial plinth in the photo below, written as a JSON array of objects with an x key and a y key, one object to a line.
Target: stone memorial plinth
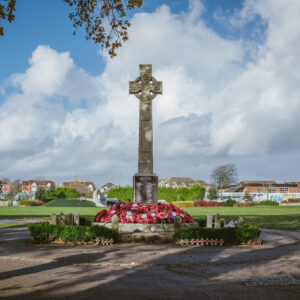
[{"x": 145, "y": 188}]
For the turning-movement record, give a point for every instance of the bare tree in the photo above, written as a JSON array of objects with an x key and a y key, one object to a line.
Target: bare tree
[{"x": 224, "y": 175}]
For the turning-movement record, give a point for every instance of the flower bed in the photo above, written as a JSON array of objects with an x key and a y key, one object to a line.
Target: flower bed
[
  {"x": 202, "y": 203},
  {"x": 148, "y": 214}
]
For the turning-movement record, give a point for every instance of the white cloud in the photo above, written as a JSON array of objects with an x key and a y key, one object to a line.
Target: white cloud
[{"x": 215, "y": 106}]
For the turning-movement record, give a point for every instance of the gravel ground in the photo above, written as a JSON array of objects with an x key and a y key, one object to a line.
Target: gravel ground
[{"x": 149, "y": 271}]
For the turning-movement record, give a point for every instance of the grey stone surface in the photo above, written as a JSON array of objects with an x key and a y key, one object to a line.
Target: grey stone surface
[
  {"x": 127, "y": 227},
  {"x": 239, "y": 221},
  {"x": 217, "y": 221},
  {"x": 145, "y": 88},
  {"x": 76, "y": 219},
  {"x": 209, "y": 223},
  {"x": 145, "y": 188},
  {"x": 115, "y": 223},
  {"x": 277, "y": 279},
  {"x": 53, "y": 219},
  {"x": 69, "y": 219},
  {"x": 226, "y": 220},
  {"x": 142, "y": 271},
  {"x": 62, "y": 219}
]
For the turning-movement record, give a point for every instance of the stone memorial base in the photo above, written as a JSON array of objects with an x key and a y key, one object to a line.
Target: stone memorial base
[
  {"x": 149, "y": 233},
  {"x": 145, "y": 188}
]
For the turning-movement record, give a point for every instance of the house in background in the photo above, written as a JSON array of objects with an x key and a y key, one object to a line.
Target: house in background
[
  {"x": 83, "y": 187},
  {"x": 5, "y": 187},
  {"x": 263, "y": 187},
  {"x": 106, "y": 187},
  {"x": 181, "y": 182},
  {"x": 31, "y": 186}
]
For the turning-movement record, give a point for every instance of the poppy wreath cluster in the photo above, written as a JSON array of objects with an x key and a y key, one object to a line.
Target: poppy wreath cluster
[{"x": 148, "y": 214}]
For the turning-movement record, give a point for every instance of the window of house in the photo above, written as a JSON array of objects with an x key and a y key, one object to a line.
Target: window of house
[
  {"x": 259, "y": 189},
  {"x": 284, "y": 189},
  {"x": 272, "y": 190}
]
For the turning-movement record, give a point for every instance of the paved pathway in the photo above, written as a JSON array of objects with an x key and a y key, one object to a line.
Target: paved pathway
[{"x": 140, "y": 271}]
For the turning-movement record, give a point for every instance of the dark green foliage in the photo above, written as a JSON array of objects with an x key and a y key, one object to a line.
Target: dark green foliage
[
  {"x": 229, "y": 203},
  {"x": 268, "y": 202},
  {"x": 46, "y": 233},
  {"x": 66, "y": 193},
  {"x": 27, "y": 203},
  {"x": 201, "y": 221},
  {"x": 40, "y": 193},
  {"x": 170, "y": 194},
  {"x": 231, "y": 235},
  {"x": 50, "y": 193},
  {"x": 86, "y": 221},
  {"x": 212, "y": 193},
  {"x": 125, "y": 194}
]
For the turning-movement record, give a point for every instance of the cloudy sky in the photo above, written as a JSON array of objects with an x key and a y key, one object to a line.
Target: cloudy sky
[{"x": 231, "y": 92}]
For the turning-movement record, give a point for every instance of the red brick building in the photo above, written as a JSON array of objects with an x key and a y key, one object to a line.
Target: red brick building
[
  {"x": 30, "y": 186},
  {"x": 181, "y": 182},
  {"x": 5, "y": 187},
  {"x": 86, "y": 188},
  {"x": 266, "y": 187}
]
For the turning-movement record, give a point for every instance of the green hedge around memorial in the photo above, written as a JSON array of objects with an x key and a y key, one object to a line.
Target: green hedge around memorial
[
  {"x": 170, "y": 194},
  {"x": 44, "y": 232},
  {"x": 230, "y": 235}
]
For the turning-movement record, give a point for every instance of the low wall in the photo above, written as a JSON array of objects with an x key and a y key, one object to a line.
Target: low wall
[{"x": 125, "y": 227}]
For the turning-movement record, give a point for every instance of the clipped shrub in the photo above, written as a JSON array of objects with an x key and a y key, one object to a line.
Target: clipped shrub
[
  {"x": 239, "y": 204},
  {"x": 230, "y": 235},
  {"x": 201, "y": 221},
  {"x": 202, "y": 203},
  {"x": 28, "y": 203},
  {"x": 44, "y": 232},
  {"x": 268, "y": 202},
  {"x": 291, "y": 200},
  {"x": 184, "y": 203},
  {"x": 229, "y": 203}
]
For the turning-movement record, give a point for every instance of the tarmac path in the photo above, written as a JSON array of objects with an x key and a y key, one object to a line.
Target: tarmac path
[{"x": 149, "y": 271}]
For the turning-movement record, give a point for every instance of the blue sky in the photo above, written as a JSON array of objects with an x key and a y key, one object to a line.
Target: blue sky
[{"x": 230, "y": 92}]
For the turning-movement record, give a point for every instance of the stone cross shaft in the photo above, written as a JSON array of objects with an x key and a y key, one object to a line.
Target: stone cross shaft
[{"x": 145, "y": 88}]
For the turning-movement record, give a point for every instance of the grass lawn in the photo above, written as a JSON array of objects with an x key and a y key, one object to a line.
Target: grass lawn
[
  {"x": 70, "y": 203},
  {"x": 277, "y": 217}
]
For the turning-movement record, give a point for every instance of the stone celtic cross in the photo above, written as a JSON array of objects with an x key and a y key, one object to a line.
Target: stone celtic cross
[{"x": 145, "y": 88}]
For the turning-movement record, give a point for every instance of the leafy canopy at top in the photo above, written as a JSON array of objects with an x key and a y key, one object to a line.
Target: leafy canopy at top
[{"x": 104, "y": 21}]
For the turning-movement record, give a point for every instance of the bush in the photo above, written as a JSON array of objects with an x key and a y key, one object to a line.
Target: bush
[
  {"x": 229, "y": 203},
  {"x": 170, "y": 194},
  {"x": 201, "y": 221},
  {"x": 291, "y": 200},
  {"x": 184, "y": 203},
  {"x": 238, "y": 204},
  {"x": 268, "y": 202},
  {"x": 44, "y": 232},
  {"x": 28, "y": 203},
  {"x": 202, "y": 203},
  {"x": 230, "y": 235}
]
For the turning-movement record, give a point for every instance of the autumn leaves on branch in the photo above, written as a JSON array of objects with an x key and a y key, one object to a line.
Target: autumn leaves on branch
[{"x": 104, "y": 21}]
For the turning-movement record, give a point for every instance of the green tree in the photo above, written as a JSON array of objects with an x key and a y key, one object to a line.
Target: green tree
[
  {"x": 40, "y": 193},
  {"x": 212, "y": 193},
  {"x": 93, "y": 15},
  {"x": 50, "y": 193}
]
